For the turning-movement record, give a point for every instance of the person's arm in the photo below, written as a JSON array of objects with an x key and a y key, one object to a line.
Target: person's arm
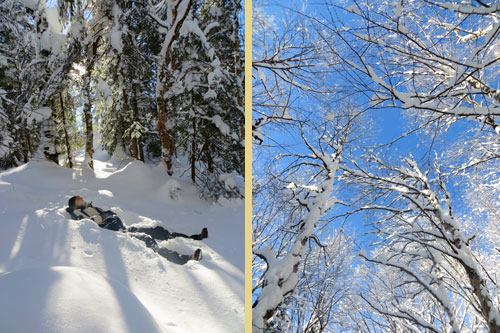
[{"x": 73, "y": 215}]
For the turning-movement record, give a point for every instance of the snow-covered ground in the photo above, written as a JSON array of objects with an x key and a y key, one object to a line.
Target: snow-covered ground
[{"x": 61, "y": 275}]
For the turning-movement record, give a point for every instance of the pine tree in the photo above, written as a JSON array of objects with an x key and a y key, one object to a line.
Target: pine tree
[
  {"x": 205, "y": 97},
  {"x": 223, "y": 126},
  {"x": 159, "y": 79}
]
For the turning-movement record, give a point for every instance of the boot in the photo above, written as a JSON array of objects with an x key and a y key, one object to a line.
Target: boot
[
  {"x": 203, "y": 235},
  {"x": 197, "y": 255}
]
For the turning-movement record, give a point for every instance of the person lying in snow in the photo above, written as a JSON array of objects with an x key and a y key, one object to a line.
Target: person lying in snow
[{"x": 79, "y": 209}]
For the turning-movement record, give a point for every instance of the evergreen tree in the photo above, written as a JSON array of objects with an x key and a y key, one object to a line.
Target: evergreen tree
[
  {"x": 205, "y": 92},
  {"x": 224, "y": 122},
  {"x": 157, "y": 79}
]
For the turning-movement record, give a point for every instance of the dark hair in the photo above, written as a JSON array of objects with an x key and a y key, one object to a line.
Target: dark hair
[{"x": 71, "y": 201}]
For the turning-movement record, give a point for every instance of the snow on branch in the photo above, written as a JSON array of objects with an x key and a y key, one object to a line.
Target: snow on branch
[
  {"x": 429, "y": 62},
  {"x": 323, "y": 156},
  {"x": 281, "y": 276},
  {"x": 424, "y": 240}
]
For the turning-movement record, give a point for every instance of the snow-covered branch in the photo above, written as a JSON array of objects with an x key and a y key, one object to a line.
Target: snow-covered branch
[
  {"x": 425, "y": 242},
  {"x": 419, "y": 59}
]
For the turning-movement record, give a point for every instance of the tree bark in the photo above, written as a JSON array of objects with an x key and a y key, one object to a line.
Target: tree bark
[
  {"x": 193, "y": 153},
  {"x": 166, "y": 64},
  {"x": 281, "y": 279},
  {"x": 481, "y": 292},
  {"x": 87, "y": 108},
  {"x": 26, "y": 142},
  {"x": 208, "y": 155},
  {"x": 167, "y": 143},
  {"x": 87, "y": 112},
  {"x": 141, "y": 150},
  {"x": 66, "y": 138},
  {"x": 135, "y": 118},
  {"x": 128, "y": 111},
  {"x": 48, "y": 144}
]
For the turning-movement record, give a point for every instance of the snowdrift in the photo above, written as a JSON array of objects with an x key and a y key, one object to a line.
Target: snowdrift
[
  {"x": 69, "y": 299},
  {"x": 72, "y": 276}
]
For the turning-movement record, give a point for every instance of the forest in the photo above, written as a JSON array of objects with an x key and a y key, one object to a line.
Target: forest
[
  {"x": 376, "y": 166},
  {"x": 131, "y": 112},
  {"x": 152, "y": 80}
]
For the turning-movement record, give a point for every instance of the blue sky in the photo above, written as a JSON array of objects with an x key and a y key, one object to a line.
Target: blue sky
[{"x": 387, "y": 125}]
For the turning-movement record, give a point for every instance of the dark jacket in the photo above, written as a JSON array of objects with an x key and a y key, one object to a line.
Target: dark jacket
[{"x": 104, "y": 218}]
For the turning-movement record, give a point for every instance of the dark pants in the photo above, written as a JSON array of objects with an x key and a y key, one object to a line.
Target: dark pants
[
  {"x": 170, "y": 255},
  {"x": 160, "y": 233},
  {"x": 148, "y": 236}
]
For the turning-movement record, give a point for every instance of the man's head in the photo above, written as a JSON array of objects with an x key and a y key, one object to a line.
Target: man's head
[{"x": 76, "y": 201}]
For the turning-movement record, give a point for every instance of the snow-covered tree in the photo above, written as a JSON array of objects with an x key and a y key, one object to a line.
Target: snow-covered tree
[
  {"x": 156, "y": 79},
  {"x": 430, "y": 253},
  {"x": 306, "y": 183},
  {"x": 434, "y": 58},
  {"x": 170, "y": 18},
  {"x": 221, "y": 123},
  {"x": 429, "y": 248},
  {"x": 289, "y": 60},
  {"x": 324, "y": 281},
  {"x": 201, "y": 99},
  {"x": 35, "y": 59}
]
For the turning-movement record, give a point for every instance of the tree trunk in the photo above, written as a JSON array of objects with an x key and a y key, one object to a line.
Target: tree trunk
[
  {"x": 22, "y": 136},
  {"x": 482, "y": 294},
  {"x": 193, "y": 153},
  {"x": 167, "y": 143},
  {"x": 27, "y": 135},
  {"x": 464, "y": 256},
  {"x": 87, "y": 112},
  {"x": 26, "y": 143},
  {"x": 238, "y": 72},
  {"x": 280, "y": 279},
  {"x": 208, "y": 154},
  {"x": 48, "y": 145},
  {"x": 66, "y": 138},
  {"x": 141, "y": 150},
  {"x": 135, "y": 118},
  {"x": 127, "y": 111},
  {"x": 87, "y": 108},
  {"x": 135, "y": 109},
  {"x": 166, "y": 64},
  {"x": 478, "y": 283}
]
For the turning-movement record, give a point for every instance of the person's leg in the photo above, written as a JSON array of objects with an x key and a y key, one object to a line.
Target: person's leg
[
  {"x": 178, "y": 258},
  {"x": 170, "y": 255},
  {"x": 158, "y": 233},
  {"x": 203, "y": 235},
  {"x": 161, "y": 233},
  {"x": 148, "y": 240}
]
